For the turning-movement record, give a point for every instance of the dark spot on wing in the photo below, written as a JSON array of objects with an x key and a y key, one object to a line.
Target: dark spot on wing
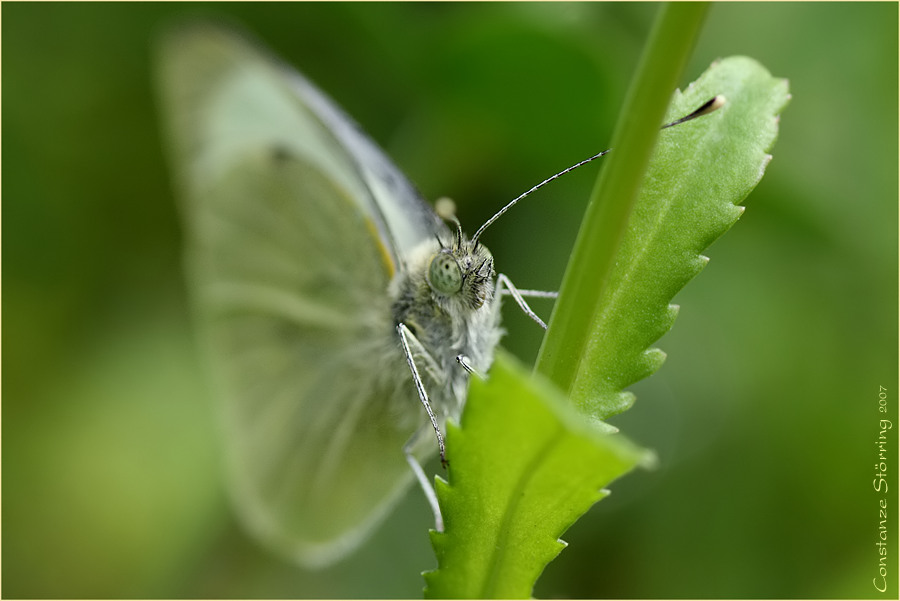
[{"x": 280, "y": 154}]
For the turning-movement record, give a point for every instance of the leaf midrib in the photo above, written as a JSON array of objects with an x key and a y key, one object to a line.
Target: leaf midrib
[
  {"x": 500, "y": 553},
  {"x": 637, "y": 258}
]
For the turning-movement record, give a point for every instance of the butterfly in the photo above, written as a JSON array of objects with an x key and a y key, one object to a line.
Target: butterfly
[
  {"x": 336, "y": 308},
  {"x": 340, "y": 315}
]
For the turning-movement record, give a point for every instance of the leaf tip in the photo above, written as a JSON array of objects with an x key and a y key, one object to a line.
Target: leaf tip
[
  {"x": 767, "y": 158},
  {"x": 649, "y": 459}
]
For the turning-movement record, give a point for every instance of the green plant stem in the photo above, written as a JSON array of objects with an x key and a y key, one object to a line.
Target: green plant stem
[{"x": 606, "y": 219}]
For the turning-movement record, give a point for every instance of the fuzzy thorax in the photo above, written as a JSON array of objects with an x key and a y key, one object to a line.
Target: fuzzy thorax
[{"x": 445, "y": 296}]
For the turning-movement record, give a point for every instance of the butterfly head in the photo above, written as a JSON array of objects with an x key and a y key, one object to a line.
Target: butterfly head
[{"x": 462, "y": 273}]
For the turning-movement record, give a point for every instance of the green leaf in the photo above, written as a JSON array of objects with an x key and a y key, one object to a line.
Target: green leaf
[
  {"x": 699, "y": 172},
  {"x": 524, "y": 465}
]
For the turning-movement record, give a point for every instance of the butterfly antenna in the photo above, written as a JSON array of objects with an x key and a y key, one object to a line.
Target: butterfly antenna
[
  {"x": 706, "y": 108},
  {"x": 511, "y": 203},
  {"x": 713, "y": 104}
]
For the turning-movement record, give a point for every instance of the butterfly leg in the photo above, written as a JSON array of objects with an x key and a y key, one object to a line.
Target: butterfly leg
[
  {"x": 505, "y": 286},
  {"x": 426, "y": 486},
  {"x": 405, "y": 337},
  {"x": 466, "y": 365}
]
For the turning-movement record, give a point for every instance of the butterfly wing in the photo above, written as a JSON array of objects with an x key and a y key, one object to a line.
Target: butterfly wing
[{"x": 295, "y": 222}]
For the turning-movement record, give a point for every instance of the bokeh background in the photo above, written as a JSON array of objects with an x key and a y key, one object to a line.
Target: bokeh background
[{"x": 764, "y": 416}]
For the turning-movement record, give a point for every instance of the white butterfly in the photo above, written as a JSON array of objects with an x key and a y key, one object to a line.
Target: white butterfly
[{"x": 322, "y": 283}]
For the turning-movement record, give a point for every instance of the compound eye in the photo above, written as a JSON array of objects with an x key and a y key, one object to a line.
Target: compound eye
[{"x": 444, "y": 274}]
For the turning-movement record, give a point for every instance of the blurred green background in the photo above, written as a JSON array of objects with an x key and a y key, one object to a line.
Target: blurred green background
[{"x": 764, "y": 416}]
